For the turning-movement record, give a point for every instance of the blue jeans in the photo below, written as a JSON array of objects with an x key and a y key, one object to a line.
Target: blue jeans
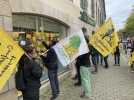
[
  {"x": 106, "y": 62},
  {"x": 101, "y": 59},
  {"x": 95, "y": 59},
  {"x": 53, "y": 77}
]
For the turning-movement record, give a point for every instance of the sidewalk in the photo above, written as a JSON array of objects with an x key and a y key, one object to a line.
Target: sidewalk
[{"x": 115, "y": 83}]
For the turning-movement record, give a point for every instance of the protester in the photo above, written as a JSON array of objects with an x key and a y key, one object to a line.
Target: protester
[
  {"x": 132, "y": 64},
  {"x": 51, "y": 62},
  {"x": 125, "y": 47},
  {"x": 77, "y": 66},
  {"x": 78, "y": 77},
  {"x": 117, "y": 56},
  {"x": 73, "y": 69},
  {"x": 129, "y": 46},
  {"x": 28, "y": 75},
  {"x": 106, "y": 62},
  {"x": 95, "y": 58},
  {"x": 101, "y": 59},
  {"x": 84, "y": 63}
]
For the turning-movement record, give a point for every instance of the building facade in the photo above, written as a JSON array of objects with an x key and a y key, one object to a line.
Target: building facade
[
  {"x": 98, "y": 11},
  {"x": 56, "y": 16}
]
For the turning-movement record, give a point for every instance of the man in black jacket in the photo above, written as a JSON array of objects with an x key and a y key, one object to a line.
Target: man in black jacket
[
  {"x": 32, "y": 73},
  {"x": 117, "y": 56},
  {"x": 51, "y": 62}
]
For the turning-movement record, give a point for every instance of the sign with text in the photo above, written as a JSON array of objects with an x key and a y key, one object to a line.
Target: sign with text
[
  {"x": 101, "y": 40},
  {"x": 10, "y": 54}
]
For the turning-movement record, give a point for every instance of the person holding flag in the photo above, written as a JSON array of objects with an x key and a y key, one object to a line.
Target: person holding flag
[
  {"x": 85, "y": 74},
  {"x": 51, "y": 62},
  {"x": 67, "y": 50}
]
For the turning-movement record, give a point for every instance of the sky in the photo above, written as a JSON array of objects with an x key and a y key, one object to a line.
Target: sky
[{"x": 119, "y": 10}]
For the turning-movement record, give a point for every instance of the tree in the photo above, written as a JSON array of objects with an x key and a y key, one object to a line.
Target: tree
[{"x": 129, "y": 26}]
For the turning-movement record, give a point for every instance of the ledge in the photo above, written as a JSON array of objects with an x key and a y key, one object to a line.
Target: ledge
[{"x": 87, "y": 19}]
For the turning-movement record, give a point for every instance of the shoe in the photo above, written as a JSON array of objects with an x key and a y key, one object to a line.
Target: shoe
[
  {"x": 114, "y": 65},
  {"x": 77, "y": 84},
  {"x": 94, "y": 72},
  {"x": 74, "y": 78},
  {"x": 53, "y": 97},
  {"x": 132, "y": 70},
  {"x": 86, "y": 97},
  {"x": 82, "y": 94},
  {"x": 106, "y": 67}
]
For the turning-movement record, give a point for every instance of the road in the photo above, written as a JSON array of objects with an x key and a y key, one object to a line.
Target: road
[{"x": 114, "y": 83}]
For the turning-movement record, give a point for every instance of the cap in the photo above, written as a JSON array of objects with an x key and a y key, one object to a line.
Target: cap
[{"x": 26, "y": 45}]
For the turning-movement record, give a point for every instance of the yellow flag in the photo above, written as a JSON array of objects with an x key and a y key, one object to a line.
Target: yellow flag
[
  {"x": 131, "y": 59},
  {"x": 115, "y": 39},
  {"x": 101, "y": 40},
  {"x": 10, "y": 54}
]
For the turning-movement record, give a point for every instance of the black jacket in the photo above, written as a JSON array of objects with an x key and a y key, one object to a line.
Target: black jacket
[
  {"x": 50, "y": 61},
  {"x": 117, "y": 51},
  {"x": 32, "y": 72},
  {"x": 83, "y": 60}
]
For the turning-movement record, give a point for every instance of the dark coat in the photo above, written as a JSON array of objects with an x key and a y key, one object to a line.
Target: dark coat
[
  {"x": 117, "y": 51},
  {"x": 83, "y": 60},
  {"x": 32, "y": 72},
  {"x": 50, "y": 60}
]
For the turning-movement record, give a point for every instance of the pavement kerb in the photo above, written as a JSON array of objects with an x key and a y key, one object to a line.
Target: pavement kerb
[{"x": 46, "y": 85}]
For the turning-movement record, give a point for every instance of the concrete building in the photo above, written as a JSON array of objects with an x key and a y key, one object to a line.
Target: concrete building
[
  {"x": 60, "y": 16},
  {"x": 98, "y": 11}
]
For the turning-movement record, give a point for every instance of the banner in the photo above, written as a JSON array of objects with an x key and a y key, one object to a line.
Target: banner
[
  {"x": 114, "y": 40},
  {"x": 131, "y": 59},
  {"x": 10, "y": 54},
  {"x": 71, "y": 47},
  {"x": 101, "y": 40}
]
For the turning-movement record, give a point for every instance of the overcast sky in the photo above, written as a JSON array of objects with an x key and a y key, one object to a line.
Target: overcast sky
[{"x": 119, "y": 10}]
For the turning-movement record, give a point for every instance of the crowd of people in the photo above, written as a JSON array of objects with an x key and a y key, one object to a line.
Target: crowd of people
[
  {"x": 29, "y": 71},
  {"x": 129, "y": 50}
]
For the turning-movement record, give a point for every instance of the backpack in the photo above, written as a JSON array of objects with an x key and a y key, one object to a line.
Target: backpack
[{"x": 19, "y": 80}]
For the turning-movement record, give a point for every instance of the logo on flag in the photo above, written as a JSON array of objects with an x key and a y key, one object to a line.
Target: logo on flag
[
  {"x": 71, "y": 47},
  {"x": 105, "y": 39}
]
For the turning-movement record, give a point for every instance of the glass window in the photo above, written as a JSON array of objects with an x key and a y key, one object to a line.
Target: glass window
[
  {"x": 92, "y": 8},
  {"x": 84, "y": 5},
  {"x": 34, "y": 23},
  {"x": 24, "y": 23}
]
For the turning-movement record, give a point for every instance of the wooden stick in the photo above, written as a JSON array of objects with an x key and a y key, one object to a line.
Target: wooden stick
[{"x": 28, "y": 56}]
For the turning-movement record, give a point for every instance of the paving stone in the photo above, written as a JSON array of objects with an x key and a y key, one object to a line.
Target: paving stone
[{"x": 115, "y": 83}]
